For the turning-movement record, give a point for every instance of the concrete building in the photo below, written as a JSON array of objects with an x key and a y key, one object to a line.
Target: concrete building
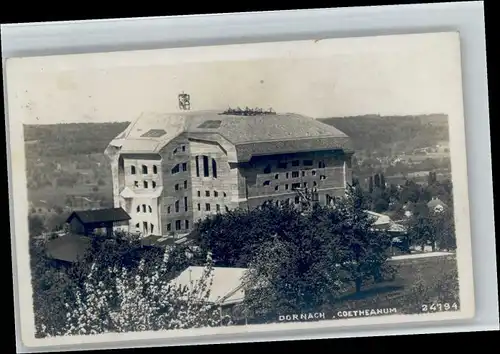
[{"x": 170, "y": 170}]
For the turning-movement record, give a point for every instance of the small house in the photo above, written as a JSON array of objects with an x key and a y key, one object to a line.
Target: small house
[
  {"x": 436, "y": 205},
  {"x": 99, "y": 221}
]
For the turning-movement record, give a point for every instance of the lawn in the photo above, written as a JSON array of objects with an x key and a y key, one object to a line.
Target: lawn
[{"x": 400, "y": 293}]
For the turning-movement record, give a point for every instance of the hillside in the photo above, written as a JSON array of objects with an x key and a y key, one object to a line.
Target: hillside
[
  {"x": 58, "y": 140},
  {"x": 392, "y": 135}
]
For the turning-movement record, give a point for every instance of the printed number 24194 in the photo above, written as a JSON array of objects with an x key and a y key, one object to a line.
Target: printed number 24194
[{"x": 436, "y": 307}]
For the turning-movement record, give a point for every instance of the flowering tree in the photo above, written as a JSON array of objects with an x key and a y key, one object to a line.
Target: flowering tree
[{"x": 142, "y": 299}]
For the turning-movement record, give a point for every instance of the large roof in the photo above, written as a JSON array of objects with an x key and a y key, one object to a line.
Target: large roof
[
  {"x": 227, "y": 283},
  {"x": 68, "y": 248},
  {"x": 247, "y": 136}
]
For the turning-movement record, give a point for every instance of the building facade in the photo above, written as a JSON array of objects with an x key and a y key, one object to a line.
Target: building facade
[{"x": 170, "y": 170}]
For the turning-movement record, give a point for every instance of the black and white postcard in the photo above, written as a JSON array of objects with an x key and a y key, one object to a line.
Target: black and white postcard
[{"x": 239, "y": 188}]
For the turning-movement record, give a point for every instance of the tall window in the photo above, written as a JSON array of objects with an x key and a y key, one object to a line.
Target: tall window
[
  {"x": 184, "y": 166},
  {"x": 153, "y": 184},
  {"x": 145, "y": 226},
  {"x": 168, "y": 209},
  {"x": 176, "y": 206},
  {"x": 214, "y": 168},
  {"x": 144, "y": 169},
  {"x": 177, "y": 224},
  {"x": 197, "y": 160},
  {"x": 187, "y": 224},
  {"x": 138, "y": 208},
  {"x": 175, "y": 169},
  {"x": 207, "y": 206},
  {"x": 217, "y": 207},
  {"x": 132, "y": 170},
  {"x": 143, "y": 208},
  {"x": 321, "y": 164},
  {"x": 206, "y": 171},
  {"x": 155, "y": 169},
  {"x": 145, "y": 184},
  {"x": 151, "y": 227},
  {"x": 169, "y": 227},
  {"x": 185, "y": 204},
  {"x": 185, "y": 184},
  {"x": 150, "y": 209}
]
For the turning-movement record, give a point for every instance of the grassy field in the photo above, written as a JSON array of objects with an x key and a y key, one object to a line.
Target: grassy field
[{"x": 431, "y": 274}]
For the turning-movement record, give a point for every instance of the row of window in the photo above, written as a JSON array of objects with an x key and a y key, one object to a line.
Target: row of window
[
  {"x": 178, "y": 225},
  {"x": 295, "y": 163},
  {"x": 216, "y": 194},
  {"x": 176, "y": 150},
  {"x": 296, "y": 174},
  {"x": 144, "y": 169},
  {"x": 146, "y": 227},
  {"x": 204, "y": 163},
  {"x": 144, "y": 208},
  {"x": 209, "y": 208},
  {"x": 145, "y": 184},
  {"x": 177, "y": 206},
  {"x": 294, "y": 186},
  {"x": 296, "y": 200},
  {"x": 268, "y": 183},
  {"x": 179, "y": 167},
  {"x": 177, "y": 186}
]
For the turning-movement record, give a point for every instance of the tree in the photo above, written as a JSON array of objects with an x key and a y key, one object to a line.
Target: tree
[
  {"x": 382, "y": 181},
  {"x": 52, "y": 288},
  {"x": 235, "y": 236},
  {"x": 364, "y": 250},
  {"x": 370, "y": 184},
  {"x": 422, "y": 230},
  {"x": 444, "y": 226},
  {"x": 36, "y": 225},
  {"x": 140, "y": 301},
  {"x": 294, "y": 272}
]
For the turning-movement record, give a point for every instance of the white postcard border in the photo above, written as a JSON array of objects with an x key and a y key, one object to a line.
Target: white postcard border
[{"x": 16, "y": 163}]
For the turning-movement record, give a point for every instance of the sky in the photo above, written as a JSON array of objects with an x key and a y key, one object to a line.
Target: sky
[{"x": 387, "y": 75}]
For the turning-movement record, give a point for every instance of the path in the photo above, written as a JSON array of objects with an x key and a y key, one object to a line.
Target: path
[{"x": 421, "y": 255}]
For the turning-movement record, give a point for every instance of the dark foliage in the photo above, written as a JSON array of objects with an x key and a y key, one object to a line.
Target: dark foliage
[{"x": 305, "y": 260}]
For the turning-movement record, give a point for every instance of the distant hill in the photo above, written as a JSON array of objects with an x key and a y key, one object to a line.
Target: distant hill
[
  {"x": 388, "y": 135},
  {"x": 370, "y": 134},
  {"x": 70, "y": 139}
]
